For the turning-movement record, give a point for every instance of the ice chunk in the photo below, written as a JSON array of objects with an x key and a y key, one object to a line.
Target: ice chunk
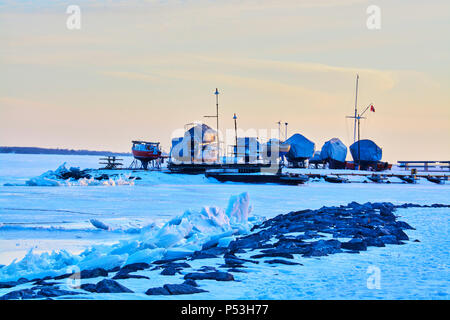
[
  {"x": 75, "y": 177},
  {"x": 125, "y": 247},
  {"x": 38, "y": 265},
  {"x": 146, "y": 255},
  {"x": 101, "y": 260},
  {"x": 224, "y": 242},
  {"x": 177, "y": 253},
  {"x": 179, "y": 237},
  {"x": 239, "y": 208}
]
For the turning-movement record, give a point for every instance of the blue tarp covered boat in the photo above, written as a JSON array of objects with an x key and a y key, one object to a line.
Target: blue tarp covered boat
[{"x": 368, "y": 151}]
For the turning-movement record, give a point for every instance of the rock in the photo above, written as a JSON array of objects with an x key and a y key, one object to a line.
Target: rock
[
  {"x": 281, "y": 261},
  {"x": 121, "y": 275},
  {"x": 38, "y": 292},
  {"x": 389, "y": 239},
  {"x": 216, "y": 275},
  {"x": 216, "y": 250},
  {"x": 417, "y": 240},
  {"x": 355, "y": 244},
  {"x": 8, "y": 284},
  {"x": 210, "y": 244},
  {"x": 400, "y": 235},
  {"x": 85, "y": 274},
  {"x": 63, "y": 276},
  {"x": 191, "y": 282},
  {"x": 166, "y": 261},
  {"x": 54, "y": 292},
  {"x": 237, "y": 270},
  {"x": 366, "y": 232},
  {"x": 374, "y": 242},
  {"x": 89, "y": 287},
  {"x": 323, "y": 248},
  {"x": 207, "y": 269},
  {"x": 177, "y": 265},
  {"x": 111, "y": 286},
  {"x": 160, "y": 291},
  {"x": 124, "y": 272},
  {"x": 101, "y": 177},
  {"x": 94, "y": 273},
  {"x": 232, "y": 260},
  {"x": 245, "y": 243},
  {"x": 42, "y": 282},
  {"x": 177, "y": 289},
  {"x": 169, "y": 271},
  {"x": 135, "y": 267},
  {"x": 135, "y": 178},
  {"x": 273, "y": 254},
  {"x": 202, "y": 255},
  {"x": 22, "y": 280},
  {"x": 403, "y": 225},
  {"x": 19, "y": 295}
]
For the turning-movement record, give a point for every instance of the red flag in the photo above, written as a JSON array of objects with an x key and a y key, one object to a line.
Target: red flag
[{"x": 372, "y": 108}]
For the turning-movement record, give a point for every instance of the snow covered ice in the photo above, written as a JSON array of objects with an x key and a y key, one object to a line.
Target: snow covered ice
[{"x": 48, "y": 227}]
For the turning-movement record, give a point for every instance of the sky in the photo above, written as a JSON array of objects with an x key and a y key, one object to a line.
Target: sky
[{"x": 144, "y": 69}]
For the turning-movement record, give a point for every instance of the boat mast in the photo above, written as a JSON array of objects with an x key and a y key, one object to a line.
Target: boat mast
[
  {"x": 356, "y": 108},
  {"x": 285, "y": 134},
  {"x": 279, "y": 130},
  {"x": 217, "y": 118},
  {"x": 359, "y": 143},
  {"x": 357, "y": 118},
  {"x": 235, "y": 135}
]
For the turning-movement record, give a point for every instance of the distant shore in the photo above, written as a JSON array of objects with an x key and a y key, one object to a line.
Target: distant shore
[{"x": 36, "y": 150}]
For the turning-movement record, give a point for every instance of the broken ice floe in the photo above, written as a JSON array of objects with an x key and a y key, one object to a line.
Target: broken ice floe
[
  {"x": 179, "y": 237},
  {"x": 76, "y": 177}
]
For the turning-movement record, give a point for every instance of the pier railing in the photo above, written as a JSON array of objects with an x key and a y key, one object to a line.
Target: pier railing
[{"x": 427, "y": 166}]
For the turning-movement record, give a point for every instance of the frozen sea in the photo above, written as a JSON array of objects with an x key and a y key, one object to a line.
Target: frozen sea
[{"x": 57, "y": 218}]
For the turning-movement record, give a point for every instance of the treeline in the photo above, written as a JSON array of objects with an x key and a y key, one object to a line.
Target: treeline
[{"x": 35, "y": 150}]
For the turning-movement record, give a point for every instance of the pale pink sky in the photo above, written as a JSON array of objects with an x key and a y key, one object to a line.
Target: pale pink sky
[{"x": 142, "y": 69}]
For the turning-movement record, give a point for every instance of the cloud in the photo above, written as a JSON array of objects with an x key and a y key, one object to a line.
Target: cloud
[
  {"x": 384, "y": 78},
  {"x": 131, "y": 75},
  {"x": 137, "y": 4}
]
